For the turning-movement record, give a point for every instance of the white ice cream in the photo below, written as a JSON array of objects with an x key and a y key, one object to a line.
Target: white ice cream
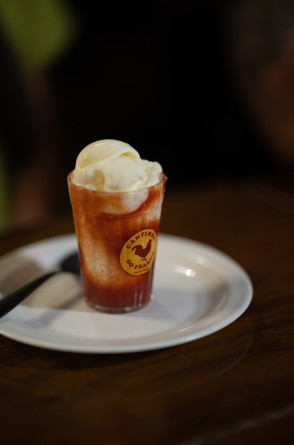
[{"x": 113, "y": 166}]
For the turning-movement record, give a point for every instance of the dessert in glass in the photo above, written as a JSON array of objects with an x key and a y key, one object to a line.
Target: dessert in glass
[{"x": 116, "y": 201}]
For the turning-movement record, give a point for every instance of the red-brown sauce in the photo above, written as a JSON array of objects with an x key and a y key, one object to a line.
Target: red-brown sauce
[{"x": 101, "y": 237}]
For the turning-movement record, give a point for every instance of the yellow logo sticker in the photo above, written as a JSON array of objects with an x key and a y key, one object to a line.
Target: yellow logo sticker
[{"x": 138, "y": 253}]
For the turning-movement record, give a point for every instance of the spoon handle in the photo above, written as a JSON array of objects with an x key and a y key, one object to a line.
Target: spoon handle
[{"x": 10, "y": 301}]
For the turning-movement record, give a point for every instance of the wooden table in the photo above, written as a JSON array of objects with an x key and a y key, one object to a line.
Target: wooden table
[{"x": 235, "y": 386}]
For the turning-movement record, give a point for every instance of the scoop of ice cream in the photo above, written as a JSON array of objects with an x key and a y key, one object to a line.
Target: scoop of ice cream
[{"x": 112, "y": 166}]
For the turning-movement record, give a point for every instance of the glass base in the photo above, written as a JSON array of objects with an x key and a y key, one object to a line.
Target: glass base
[{"x": 116, "y": 310}]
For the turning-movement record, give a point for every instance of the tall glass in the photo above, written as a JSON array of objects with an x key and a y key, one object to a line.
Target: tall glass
[{"x": 117, "y": 237}]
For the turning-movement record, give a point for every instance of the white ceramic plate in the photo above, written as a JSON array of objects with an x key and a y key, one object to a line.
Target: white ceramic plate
[{"x": 197, "y": 291}]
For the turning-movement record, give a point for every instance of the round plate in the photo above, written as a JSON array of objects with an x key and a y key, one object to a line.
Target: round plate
[{"x": 197, "y": 290}]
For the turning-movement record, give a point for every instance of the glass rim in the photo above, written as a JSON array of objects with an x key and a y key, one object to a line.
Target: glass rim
[{"x": 163, "y": 179}]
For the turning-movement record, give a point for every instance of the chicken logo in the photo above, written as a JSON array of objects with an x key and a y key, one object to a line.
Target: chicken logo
[
  {"x": 142, "y": 252},
  {"x": 138, "y": 253}
]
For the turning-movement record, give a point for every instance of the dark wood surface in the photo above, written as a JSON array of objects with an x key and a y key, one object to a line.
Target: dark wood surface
[{"x": 232, "y": 387}]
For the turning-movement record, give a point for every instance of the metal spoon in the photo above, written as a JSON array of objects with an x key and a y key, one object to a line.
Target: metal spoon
[{"x": 70, "y": 263}]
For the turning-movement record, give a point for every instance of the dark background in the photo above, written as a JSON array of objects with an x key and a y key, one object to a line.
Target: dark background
[
  {"x": 166, "y": 77},
  {"x": 159, "y": 78}
]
